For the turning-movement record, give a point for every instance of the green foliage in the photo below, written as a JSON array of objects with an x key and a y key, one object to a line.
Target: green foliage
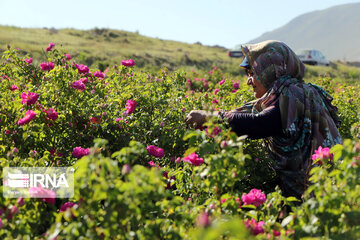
[
  {"x": 123, "y": 192},
  {"x": 331, "y": 208},
  {"x": 118, "y": 205}
]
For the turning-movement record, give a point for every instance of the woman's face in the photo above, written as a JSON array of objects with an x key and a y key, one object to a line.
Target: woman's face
[{"x": 259, "y": 89}]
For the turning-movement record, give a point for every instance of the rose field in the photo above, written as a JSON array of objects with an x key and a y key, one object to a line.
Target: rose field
[{"x": 142, "y": 173}]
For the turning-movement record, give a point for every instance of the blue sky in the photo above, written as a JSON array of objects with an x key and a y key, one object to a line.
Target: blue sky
[{"x": 211, "y": 22}]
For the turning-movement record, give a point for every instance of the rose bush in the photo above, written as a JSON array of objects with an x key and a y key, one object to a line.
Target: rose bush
[{"x": 141, "y": 173}]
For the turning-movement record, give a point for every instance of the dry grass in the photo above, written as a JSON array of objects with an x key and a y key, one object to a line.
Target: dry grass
[{"x": 112, "y": 46}]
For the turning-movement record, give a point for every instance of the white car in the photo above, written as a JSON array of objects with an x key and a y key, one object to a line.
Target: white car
[
  {"x": 312, "y": 57},
  {"x": 236, "y": 52}
]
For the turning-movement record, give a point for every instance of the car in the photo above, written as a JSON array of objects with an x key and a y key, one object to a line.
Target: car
[
  {"x": 312, "y": 57},
  {"x": 236, "y": 52}
]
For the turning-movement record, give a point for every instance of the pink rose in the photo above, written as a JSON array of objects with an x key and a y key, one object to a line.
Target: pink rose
[
  {"x": 276, "y": 233},
  {"x": 99, "y": 74},
  {"x": 223, "y": 144},
  {"x": 130, "y": 106},
  {"x": 125, "y": 169},
  {"x": 289, "y": 232},
  {"x": 254, "y": 197},
  {"x": 214, "y": 132},
  {"x": 28, "y": 60},
  {"x": 29, "y": 115},
  {"x": 215, "y": 101},
  {"x": 33, "y": 153},
  {"x": 51, "y": 114},
  {"x": 152, "y": 164},
  {"x": 66, "y": 206},
  {"x": 68, "y": 57},
  {"x": 47, "y": 195},
  {"x": 236, "y": 85},
  {"x": 20, "y": 201},
  {"x": 15, "y": 150},
  {"x": 79, "y": 85},
  {"x": 212, "y": 206},
  {"x": 155, "y": 151},
  {"x": 14, "y": 87},
  {"x": 83, "y": 69},
  {"x": 322, "y": 154},
  {"x": 84, "y": 80},
  {"x": 193, "y": 159},
  {"x": 53, "y": 151},
  {"x": 14, "y": 210},
  {"x": 50, "y": 47},
  {"x": 29, "y": 98},
  {"x": 79, "y": 152},
  {"x": 222, "y": 82},
  {"x": 216, "y": 91},
  {"x": 254, "y": 227},
  {"x": 96, "y": 120},
  {"x": 128, "y": 63},
  {"x": 47, "y": 66},
  {"x": 203, "y": 220},
  {"x": 50, "y": 200},
  {"x": 170, "y": 184}
]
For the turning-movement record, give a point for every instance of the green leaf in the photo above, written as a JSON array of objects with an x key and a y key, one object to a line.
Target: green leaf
[
  {"x": 190, "y": 135},
  {"x": 334, "y": 173},
  {"x": 250, "y": 206},
  {"x": 337, "y": 150},
  {"x": 292, "y": 199},
  {"x": 190, "y": 151}
]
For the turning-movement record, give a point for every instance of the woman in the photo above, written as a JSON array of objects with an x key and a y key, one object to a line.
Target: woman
[{"x": 294, "y": 118}]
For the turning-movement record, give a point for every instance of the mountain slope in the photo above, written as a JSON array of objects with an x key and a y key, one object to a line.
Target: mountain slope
[{"x": 334, "y": 31}]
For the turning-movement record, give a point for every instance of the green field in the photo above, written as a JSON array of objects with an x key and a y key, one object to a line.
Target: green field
[{"x": 140, "y": 171}]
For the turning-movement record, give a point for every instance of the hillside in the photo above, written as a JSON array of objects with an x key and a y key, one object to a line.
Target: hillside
[
  {"x": 101, "y": 47},
  {"x": 334, "y": 31}
]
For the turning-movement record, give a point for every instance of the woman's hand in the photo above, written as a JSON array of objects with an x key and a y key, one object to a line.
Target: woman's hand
[{"x": 196, "y": 118}]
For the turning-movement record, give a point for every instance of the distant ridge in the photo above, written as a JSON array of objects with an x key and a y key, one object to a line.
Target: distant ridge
[{"x": 334, "y": 31}]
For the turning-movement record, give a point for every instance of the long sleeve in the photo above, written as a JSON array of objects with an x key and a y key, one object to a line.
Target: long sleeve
[{"x": 264, "y": 124}]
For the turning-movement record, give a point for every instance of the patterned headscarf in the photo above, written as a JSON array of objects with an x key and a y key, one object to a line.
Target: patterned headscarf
[{"x": 309, "y": 120}]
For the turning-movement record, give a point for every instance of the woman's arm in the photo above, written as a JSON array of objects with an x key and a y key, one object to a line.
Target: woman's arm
[{"x": 264, "y": 124}]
